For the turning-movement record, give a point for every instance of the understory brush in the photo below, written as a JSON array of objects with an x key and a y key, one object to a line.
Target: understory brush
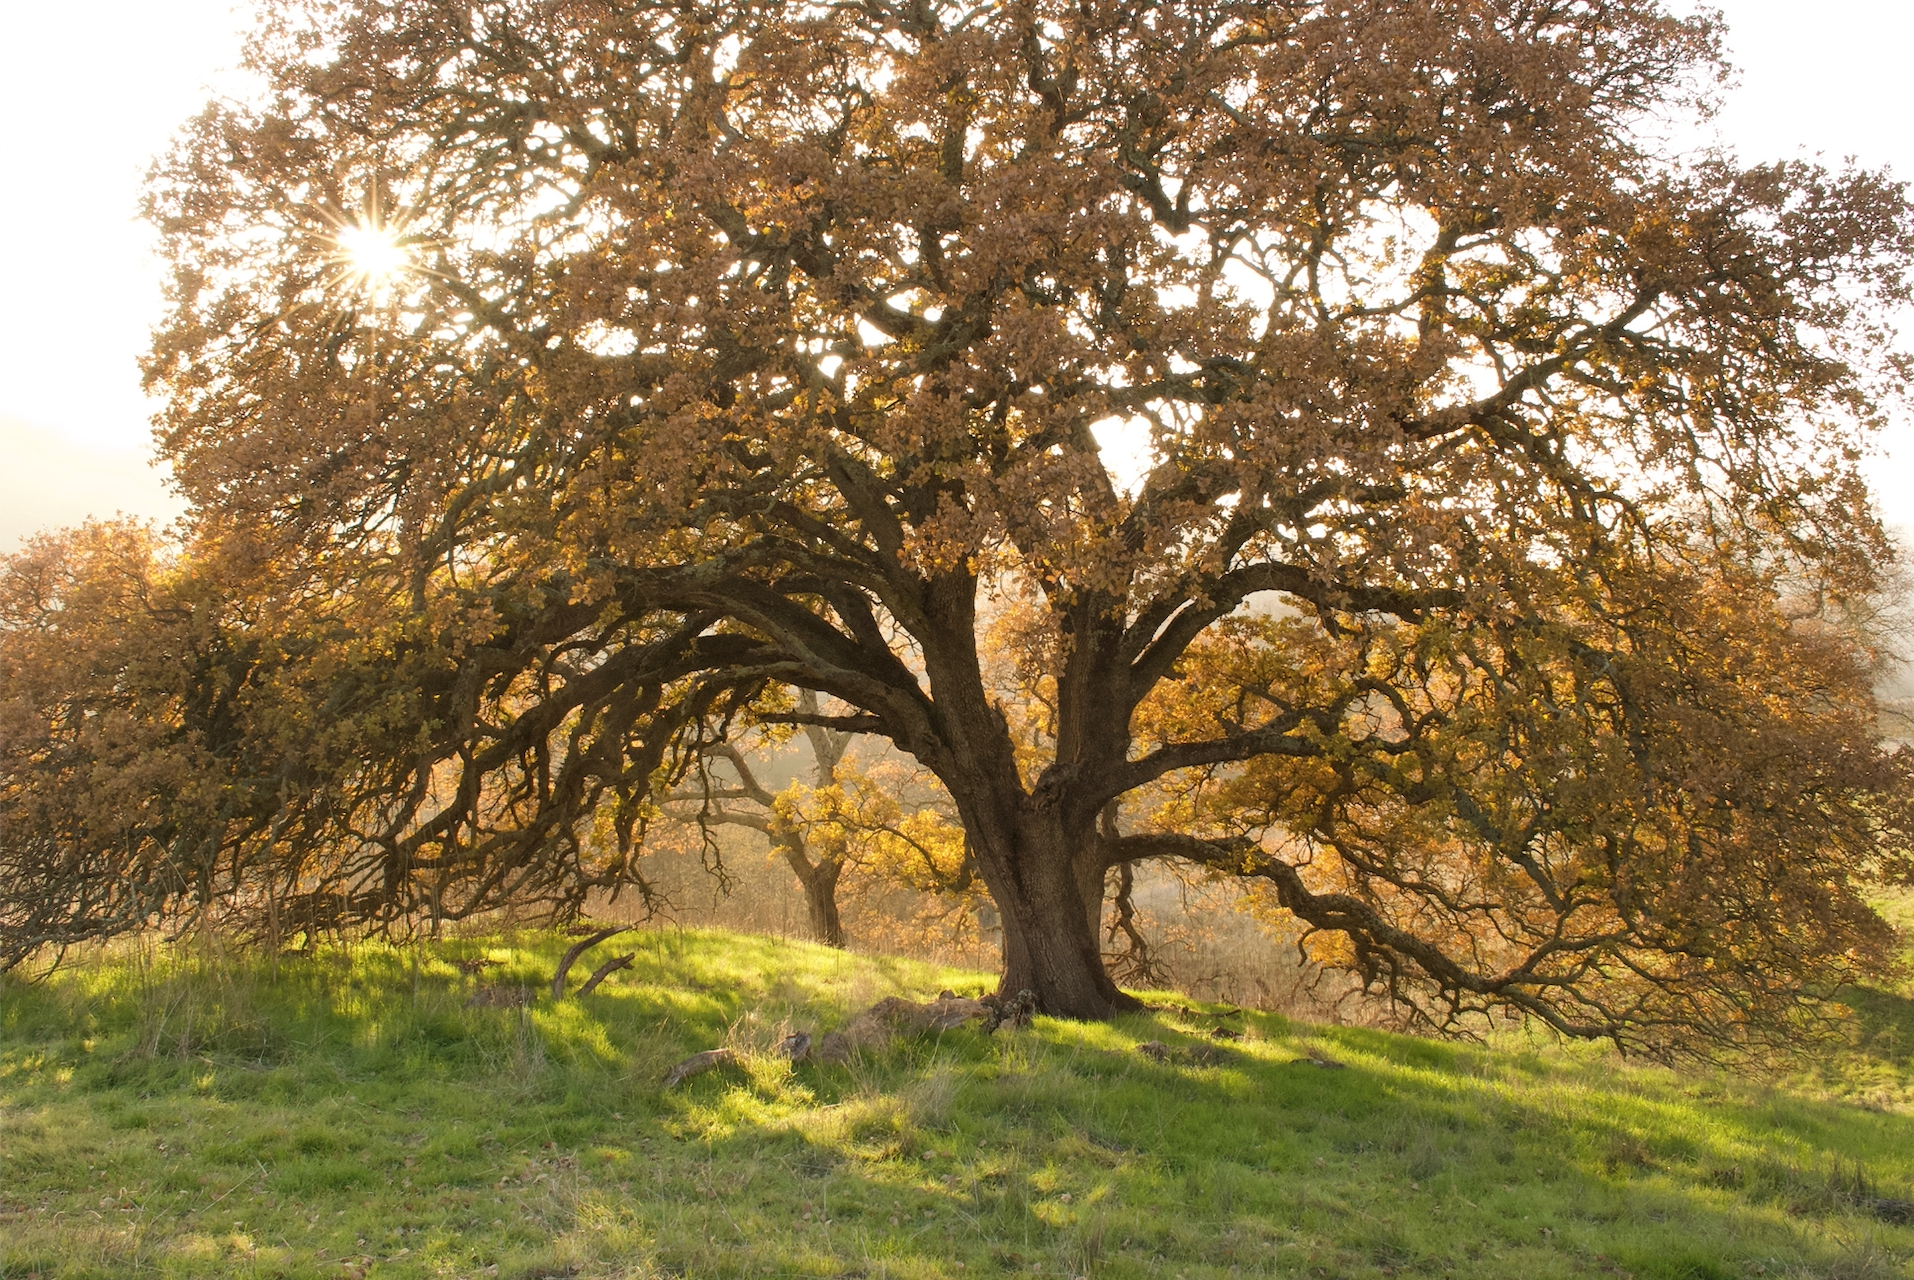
[{"x": 365, "y": 1112}]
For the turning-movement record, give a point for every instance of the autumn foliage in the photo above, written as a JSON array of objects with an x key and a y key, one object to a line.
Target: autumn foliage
[{"x": 1333, "y": 445}]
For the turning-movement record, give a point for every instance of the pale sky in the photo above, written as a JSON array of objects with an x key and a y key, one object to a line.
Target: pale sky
[{"x": 88, "y": 95}]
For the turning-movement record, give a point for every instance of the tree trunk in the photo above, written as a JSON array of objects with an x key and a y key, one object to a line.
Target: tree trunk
[
  {"x": 1050, "y": 926},
  {"x": 818, "y": 877},
  {"x": 820, "y": 900}
]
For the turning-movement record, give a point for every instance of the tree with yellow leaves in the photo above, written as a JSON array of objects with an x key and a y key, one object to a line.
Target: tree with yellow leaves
[{"x": 878, "y": 820}]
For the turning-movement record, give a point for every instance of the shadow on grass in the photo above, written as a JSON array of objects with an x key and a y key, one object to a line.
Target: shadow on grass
[
  {"x": 1409, "y": 1158},
  {"x": 1884, "y": 1024},
  {"x": 352, "y": 1106}
]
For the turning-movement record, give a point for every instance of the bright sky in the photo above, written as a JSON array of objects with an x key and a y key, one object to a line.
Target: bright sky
[{"x": 88, "y": 96}]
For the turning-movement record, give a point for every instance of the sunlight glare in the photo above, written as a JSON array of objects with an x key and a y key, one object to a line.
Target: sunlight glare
[{"x": 373, "y": 255}]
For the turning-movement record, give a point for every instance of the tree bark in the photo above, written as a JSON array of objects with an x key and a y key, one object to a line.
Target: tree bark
[
  {"x": 820, "y": 896},
  {"x": 1050, "y": 921}
]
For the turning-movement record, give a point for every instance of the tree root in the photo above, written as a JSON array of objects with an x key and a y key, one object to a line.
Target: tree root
[{"x": 1014, "y": 1012}]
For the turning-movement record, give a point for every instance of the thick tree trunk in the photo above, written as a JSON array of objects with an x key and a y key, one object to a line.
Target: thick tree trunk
[
  {"x": 1050, "y": 924},
  {"x": 1035, "y": 840}
]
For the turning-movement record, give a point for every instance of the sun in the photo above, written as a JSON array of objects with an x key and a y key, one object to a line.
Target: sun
[{"x": 372, "y": 255}]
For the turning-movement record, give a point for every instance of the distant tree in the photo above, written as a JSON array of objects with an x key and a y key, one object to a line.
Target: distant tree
[
  {"x": 848, "y": 816},
  {"x": 1449, "y": 490},
  {"x": 817, "y": 858}
]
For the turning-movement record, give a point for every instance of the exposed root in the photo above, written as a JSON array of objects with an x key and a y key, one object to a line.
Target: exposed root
[{"x": 1014, "y": 1012}]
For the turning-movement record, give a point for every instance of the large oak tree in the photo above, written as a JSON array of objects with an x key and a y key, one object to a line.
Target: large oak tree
[{"x": 1436, "y": 500}]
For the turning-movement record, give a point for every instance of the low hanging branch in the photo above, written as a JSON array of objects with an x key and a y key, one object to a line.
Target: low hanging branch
[{"x": 1566, "y": 812}]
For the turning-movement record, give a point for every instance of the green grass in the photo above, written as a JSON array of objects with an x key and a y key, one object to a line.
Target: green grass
[{"x": 347, "y": 1115}]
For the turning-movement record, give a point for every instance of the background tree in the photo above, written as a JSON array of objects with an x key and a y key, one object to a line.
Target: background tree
[
  {"x": 883, "y": 821},
  {"x": 655, "y": 357},
  {"x": 816, "y": 857}
]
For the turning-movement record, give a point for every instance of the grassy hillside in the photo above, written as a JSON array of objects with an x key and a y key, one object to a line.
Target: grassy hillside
[{"x": 347, "y": 1115}]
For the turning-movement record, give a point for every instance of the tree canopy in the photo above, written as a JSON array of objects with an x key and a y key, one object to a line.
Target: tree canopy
[{"x": 1389, "y": 473}]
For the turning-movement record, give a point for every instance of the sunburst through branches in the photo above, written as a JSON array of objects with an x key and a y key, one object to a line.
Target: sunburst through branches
[
  {"x": 372, "y": 252},
  {"x": 373, "y": 256}
]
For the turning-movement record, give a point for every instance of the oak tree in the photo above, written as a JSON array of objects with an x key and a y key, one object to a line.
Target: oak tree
[
  {"x": 817, "y": 855},
  {"x": 1402, "y": 452},
  {"x": 858, "y": 813},
  {"x": 124, "y": 775}
]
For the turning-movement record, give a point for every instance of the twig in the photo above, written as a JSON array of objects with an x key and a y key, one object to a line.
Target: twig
[{"x": 228, "y": 1191}]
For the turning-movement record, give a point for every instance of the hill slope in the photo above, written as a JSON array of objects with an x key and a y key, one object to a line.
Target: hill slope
[{"x": 349, "y": 1115}]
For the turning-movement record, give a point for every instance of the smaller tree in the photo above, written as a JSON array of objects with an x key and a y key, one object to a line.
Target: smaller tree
[
  {"x": 888, "y": 823},
  {"x": 816, "y": 856}
]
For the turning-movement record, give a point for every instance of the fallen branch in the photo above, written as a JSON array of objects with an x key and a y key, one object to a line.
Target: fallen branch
[
  {"x": 1887, "y": 1210},
  {"x": 578, "y": 949},
  {"x": 604, "y": 971},
  {"x": 874, "y": 1028},
  {"x": 697, "y": 1064},
  {"x": 1189, "y": 1055}
]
